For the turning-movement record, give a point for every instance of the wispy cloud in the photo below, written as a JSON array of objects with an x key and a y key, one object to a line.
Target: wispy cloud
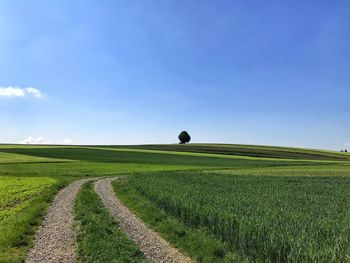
[
  {"x": 67, "y": 141},
  {"x": 34, "y": 92},
  {"x": 20, "y": 92},
  {"x": 44, "y": 140},
  {"x": 34, "y": 140}
]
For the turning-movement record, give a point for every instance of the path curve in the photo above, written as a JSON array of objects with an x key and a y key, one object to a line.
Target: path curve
[
  {"x": 155, "y": 248},
  {"x": 55, "y": 240}
]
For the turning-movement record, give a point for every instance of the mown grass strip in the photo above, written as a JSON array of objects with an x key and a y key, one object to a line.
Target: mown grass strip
[
  {"x": 11, "y": 158},
  {"x": 197, "y": 243},
  {"x": 100, "y": 238}
]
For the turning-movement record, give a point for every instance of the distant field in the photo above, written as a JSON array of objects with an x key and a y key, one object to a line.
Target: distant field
[
  {"x": 247, "y": 150},
  {"x": 98, "y": 162},
  {"x": 142, "y": 156},
  {"x": 11, "y": 158},
  {"x": 195, "y": 189}
]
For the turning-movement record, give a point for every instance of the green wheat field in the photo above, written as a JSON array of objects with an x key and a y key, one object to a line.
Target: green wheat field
[{"x": 214, "y": 202}]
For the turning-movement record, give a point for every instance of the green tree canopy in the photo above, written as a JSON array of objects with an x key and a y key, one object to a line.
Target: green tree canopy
[{"x": 184, "y": 137}]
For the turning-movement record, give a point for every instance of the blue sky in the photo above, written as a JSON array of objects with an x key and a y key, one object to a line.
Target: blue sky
[{"x": 130, "y": 72}]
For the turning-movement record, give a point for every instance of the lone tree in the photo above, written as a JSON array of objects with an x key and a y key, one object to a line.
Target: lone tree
[{"x": 184, "y": 137}]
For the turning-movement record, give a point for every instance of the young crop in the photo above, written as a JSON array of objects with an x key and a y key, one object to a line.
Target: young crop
[
  {"x": 22, "y": 202},
  {"x": 264, "y": 218},
  {"x": 17, "y": 193}
]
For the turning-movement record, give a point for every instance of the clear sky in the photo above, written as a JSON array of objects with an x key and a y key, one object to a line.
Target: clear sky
[{"x": 129, "y": 72}]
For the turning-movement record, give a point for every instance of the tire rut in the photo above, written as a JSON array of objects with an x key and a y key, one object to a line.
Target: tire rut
[
  {"x": 55, "y": 240},
  {"x": 155, "y": 248}
]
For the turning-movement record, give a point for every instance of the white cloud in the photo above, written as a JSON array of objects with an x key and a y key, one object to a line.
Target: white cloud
[
  {"x": 34, "y": 92},
  {"x": 43, "y": 140},
  {"x": 20, "y": 92},
  {"x": 67, "y": 141},
  {"x": 33, "y": 140},
  {"x": 11, "y": 92}
]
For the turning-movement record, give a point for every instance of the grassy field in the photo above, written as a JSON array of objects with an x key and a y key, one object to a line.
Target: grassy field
[
  {"x": 152, "y": 157},
  {"x": 193, "y": 241},
  {"x": 9, "y": 158},
  {"x": 263, "y": 218},
  {"x": 255, "y": 195},
  {"x": 22, "y": 203},
  {"x": 246, "y": 150}
]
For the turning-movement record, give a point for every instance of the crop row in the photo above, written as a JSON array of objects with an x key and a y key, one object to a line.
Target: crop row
[
  {"x": 16, "y": 193},
  {"x": 264, "y": 218}
]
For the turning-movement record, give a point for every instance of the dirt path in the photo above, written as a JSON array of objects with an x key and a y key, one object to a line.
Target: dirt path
[
  {"x": 155, "y": 248},
  {"x": 55, "y": 240}
]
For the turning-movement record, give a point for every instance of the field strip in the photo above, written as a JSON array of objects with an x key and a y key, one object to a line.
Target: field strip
[
  {"x": 211, "y": 155},
  {"x": 55, "y": 240},
  {"x": 155, "y": 248}
]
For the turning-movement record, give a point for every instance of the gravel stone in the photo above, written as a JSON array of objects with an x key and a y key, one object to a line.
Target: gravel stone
[
  {"x": 155, "y": 248},
  {"x": 55, "y": 240}
]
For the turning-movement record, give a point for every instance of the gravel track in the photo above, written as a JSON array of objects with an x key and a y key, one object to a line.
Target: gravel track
[
  {"x": 55, "y": 240},
  {"x": 155, "y": 248}
]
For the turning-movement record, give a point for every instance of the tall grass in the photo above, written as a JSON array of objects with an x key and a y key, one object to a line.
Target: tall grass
[{"x": 264, "y": 218}]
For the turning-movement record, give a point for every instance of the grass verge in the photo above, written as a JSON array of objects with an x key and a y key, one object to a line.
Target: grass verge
[{"x": 100, "y": 239}]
